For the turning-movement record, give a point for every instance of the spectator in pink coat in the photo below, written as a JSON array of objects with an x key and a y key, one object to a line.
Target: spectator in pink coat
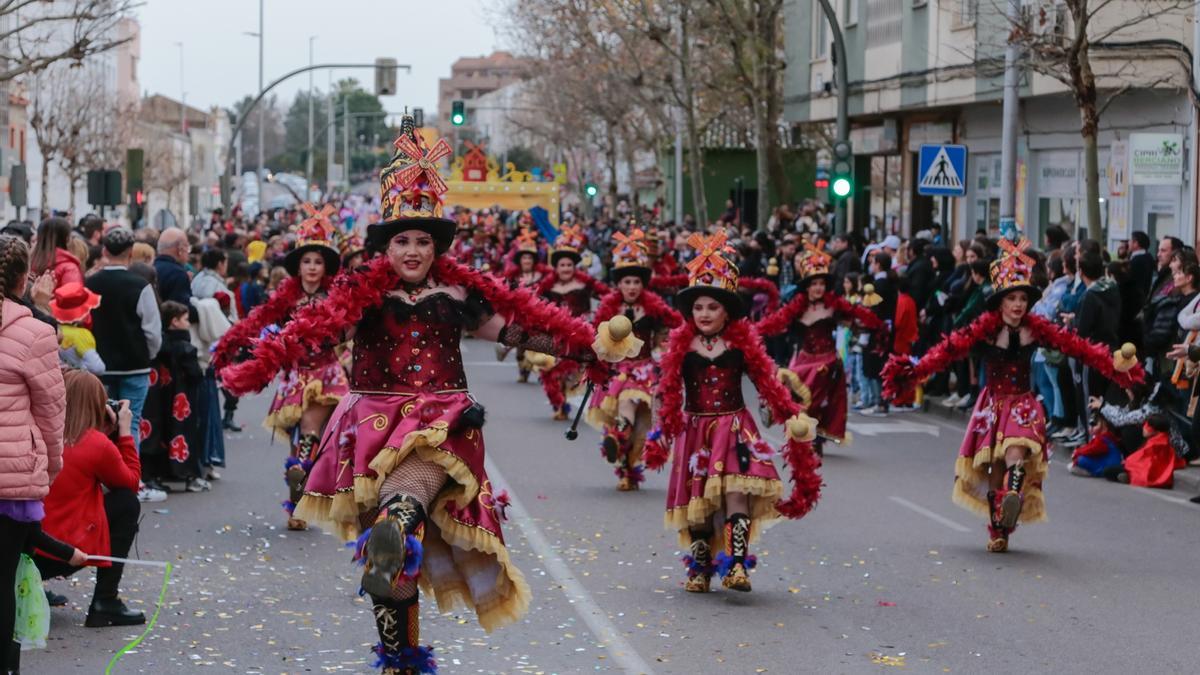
[{"x": 32, "y": 408}]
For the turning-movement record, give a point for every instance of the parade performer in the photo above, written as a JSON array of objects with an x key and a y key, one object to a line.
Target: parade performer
[
  {"x": 622, "y": 411},
  {"x": 1004, "y": 457},
  {"x": 403, "y": 453},
  {"x": 816, "y": 374},
  {"x": 573, "y": 290},
  {"x": 721, "y": 462},
  {"x": 523, "y": 271},
  {"x": 310, "y": 388}
]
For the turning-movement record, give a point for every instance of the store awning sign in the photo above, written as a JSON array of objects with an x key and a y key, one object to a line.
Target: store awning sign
[{"x": 1156, "y": 159}]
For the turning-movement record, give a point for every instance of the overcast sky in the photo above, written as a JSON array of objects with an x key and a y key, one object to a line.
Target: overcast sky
[{"x": 221, "y": 64}]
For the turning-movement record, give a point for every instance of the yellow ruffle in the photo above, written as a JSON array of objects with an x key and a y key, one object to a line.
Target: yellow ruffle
[
  {"x": 282, "y": 421},
  {"x": 796, "y": 385},
  {"x": 477, "y": 548},
  {"x": 605, "y": 415},
  {"x": 971, "y": 481},
  {"x": 763, "y": 493}
]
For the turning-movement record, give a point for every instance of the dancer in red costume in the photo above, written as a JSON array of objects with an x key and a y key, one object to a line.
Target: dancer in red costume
[
  {"x": 721, "y": 463},
  {"x": 573, "y": 290},
  {"x": 622, "y": 411},
  {"x": 311, "y": 387},
  {"x": 404, "y": 451},
  {"x": 523, "y": 271},
  {"x": 1003, "y": 458},
  {"x": 816, "y": 375}
]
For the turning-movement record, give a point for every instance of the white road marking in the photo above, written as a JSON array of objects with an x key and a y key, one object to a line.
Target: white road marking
[
  {"x": 1166, "y": 497},
  {"x": 930, "y": 514},
  {"x": 596, "y": 619},
  {"x": 898, "y": 427}
]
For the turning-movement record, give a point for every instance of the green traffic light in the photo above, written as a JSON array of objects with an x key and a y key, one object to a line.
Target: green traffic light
[
  {"x": 841, "y": 187},
  {"x": 591, "y": 190},
  {"x": 458, "y": 120}
]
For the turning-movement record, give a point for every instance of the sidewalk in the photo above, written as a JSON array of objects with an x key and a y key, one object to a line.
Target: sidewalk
[{"x": 1187, "y": 480}]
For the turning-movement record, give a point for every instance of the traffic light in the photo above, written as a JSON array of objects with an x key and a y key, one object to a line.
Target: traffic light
[
  {"x": 590, "y": 189},
  {"x": 458, "y": 115},
  {"x": 842, "y": 170},
  {"x": 385, "y": 76}
]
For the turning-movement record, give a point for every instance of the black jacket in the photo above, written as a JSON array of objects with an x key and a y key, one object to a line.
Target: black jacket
[
  {"x": 921, "y": 280},
  {"x": 844, "y": 263},
  {"x": 1099, "y": 313},
  {"x": 1141, "y": 272}
]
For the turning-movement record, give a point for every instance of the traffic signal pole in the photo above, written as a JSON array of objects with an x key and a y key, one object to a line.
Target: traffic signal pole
[{"x": 843, "y": 109}]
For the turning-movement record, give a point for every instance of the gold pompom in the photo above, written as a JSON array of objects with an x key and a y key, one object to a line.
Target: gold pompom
[
  {"x": 619, "y": 327},
  {"x": 609, "y": 347},
  {"x": 772, "y": 267},
  {"x": 1125, "y": 358},
  {"x": 801, "y": 427},
  {"x": 869, "y": 297}
]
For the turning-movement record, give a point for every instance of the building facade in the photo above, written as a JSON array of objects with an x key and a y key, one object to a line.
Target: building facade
[
  {"x": 931, "y": 71},
  {"x": 473, "y": 77}
]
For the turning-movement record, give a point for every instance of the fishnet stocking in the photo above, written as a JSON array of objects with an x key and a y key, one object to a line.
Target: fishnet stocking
[{"x": 422, "y": 481}]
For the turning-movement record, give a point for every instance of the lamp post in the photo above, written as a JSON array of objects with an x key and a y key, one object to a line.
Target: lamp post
[
  {"x": 308, "y": 159},
  {"x": 182, "y": 93},
  {"x": 258, "y": 174}
]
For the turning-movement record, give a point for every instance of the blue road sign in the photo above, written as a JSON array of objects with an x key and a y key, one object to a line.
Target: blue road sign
[{"x": 943, "y": 171}]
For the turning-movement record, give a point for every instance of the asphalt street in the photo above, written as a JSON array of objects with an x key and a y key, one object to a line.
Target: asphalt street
[{"x": 885, "y": 574}]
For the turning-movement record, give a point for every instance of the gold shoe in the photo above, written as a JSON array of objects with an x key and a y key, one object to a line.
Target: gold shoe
[
  {"x": 297, "y": 525},
  {"x": 624, "y": 484},
  {"x": 997, "y": 545},
  {"x": 737, "y": 579},
  {"x": 561, "y": 415},
  {"x": 700, "y": 583}
]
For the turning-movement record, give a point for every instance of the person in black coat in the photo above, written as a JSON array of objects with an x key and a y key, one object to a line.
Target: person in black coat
[
  {"x": 920, "y": 273},
  {"x": 1141, "y": 263},
  {"x": 845, "y": 257}
]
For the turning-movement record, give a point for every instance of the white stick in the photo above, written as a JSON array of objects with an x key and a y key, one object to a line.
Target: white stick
[{"x": 129, "y": 561}]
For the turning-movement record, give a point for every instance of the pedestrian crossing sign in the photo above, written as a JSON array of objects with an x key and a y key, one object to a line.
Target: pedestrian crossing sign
[{"x": 943, "y": 170}]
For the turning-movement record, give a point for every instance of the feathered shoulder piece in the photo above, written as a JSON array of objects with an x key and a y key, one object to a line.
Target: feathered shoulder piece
[
  {"x": 1120, "y": 367},
  {"x": 901, "y": 374},
  {"x": 856, "y": 313},
  {"x": 781, "y": 319},
  {"x": 652, "y": 304},
  {"x": 314, "y": 326},
  {"x": 244, "y": 332},
  {"x": 598, "y": 288}
]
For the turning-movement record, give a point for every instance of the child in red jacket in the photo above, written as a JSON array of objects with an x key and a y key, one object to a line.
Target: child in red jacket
[
  {"x": 1153, "y": 464},
  {"x": 79, "y": 512}
]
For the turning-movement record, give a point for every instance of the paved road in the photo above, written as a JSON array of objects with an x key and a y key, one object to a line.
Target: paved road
[{"x": 887, "y": 572}]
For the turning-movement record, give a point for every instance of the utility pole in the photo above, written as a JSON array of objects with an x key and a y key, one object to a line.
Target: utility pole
[
  {"x": 261, "y": 111},
  {"x": 1008, "y": 131},
  {"x": 843, "y": 116},
  {"x": 346, "y": 140},
  {"x": 308, "y": 158},
  {"x": 329, "y": 144},
  {"x": 182, "y": 93}
]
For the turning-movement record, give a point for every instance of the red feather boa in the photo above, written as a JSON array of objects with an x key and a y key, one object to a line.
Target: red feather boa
[
  {"x": 315, "y": 325},
  {"x": 901, "y": 375},
  {"x": 598, "y": 288},
  {"x": 781, "y": 320},
  {"x": 652, "y": 304},
  {"x": 274, "y": 310},
  {"x": 740, "y": 335},
  {"x": 668, "y": 282}
]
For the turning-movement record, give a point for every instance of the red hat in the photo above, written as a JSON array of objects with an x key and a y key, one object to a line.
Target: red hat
[{"x": 72, "y": 302}]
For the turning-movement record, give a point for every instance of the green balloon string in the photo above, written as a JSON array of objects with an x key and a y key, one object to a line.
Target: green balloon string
[{"x": 162, "y": 596}]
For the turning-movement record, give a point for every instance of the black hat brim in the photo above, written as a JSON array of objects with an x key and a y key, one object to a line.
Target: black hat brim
[
  {"x": 291, "y": 262},
  {"x": 619, "y": 273},
  {"x": 1035, "y": 294},
  {"x": 805, "y": 281},
  {"x": 441, "y": 229},
  {"x": 732, "y": 300},
  {"x": 557, "y": 255}
]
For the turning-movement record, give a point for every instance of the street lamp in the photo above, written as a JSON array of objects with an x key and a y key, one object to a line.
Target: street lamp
[
  {"x": 308, "y": 160},
  {"x": 261, "y": 111}
]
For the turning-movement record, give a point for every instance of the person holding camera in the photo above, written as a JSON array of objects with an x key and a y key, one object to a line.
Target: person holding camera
[{"x": 93, "y": 503}]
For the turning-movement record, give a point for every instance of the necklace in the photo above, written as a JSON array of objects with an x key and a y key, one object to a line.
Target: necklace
[
  {"x": 710, "y": 341},
  {"x": 414, "y": 290}
]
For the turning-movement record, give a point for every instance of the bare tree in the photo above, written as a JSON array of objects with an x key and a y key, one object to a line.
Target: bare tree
[
  {"x": 754, "y": 38},
  {"x": 1058, "y": 40},
  {"x": 35, "y": 34}
]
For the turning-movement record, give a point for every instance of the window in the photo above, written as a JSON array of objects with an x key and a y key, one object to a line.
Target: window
[
  {"x": 820, "y": 36},
  {"x": 851, "y": 12},
  {"x": 884, "y": 22},
  {"x": 964, "y": 13}
]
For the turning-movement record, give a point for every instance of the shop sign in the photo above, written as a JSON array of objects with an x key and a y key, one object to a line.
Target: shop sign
[{"x": 1156, "y": 159}]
